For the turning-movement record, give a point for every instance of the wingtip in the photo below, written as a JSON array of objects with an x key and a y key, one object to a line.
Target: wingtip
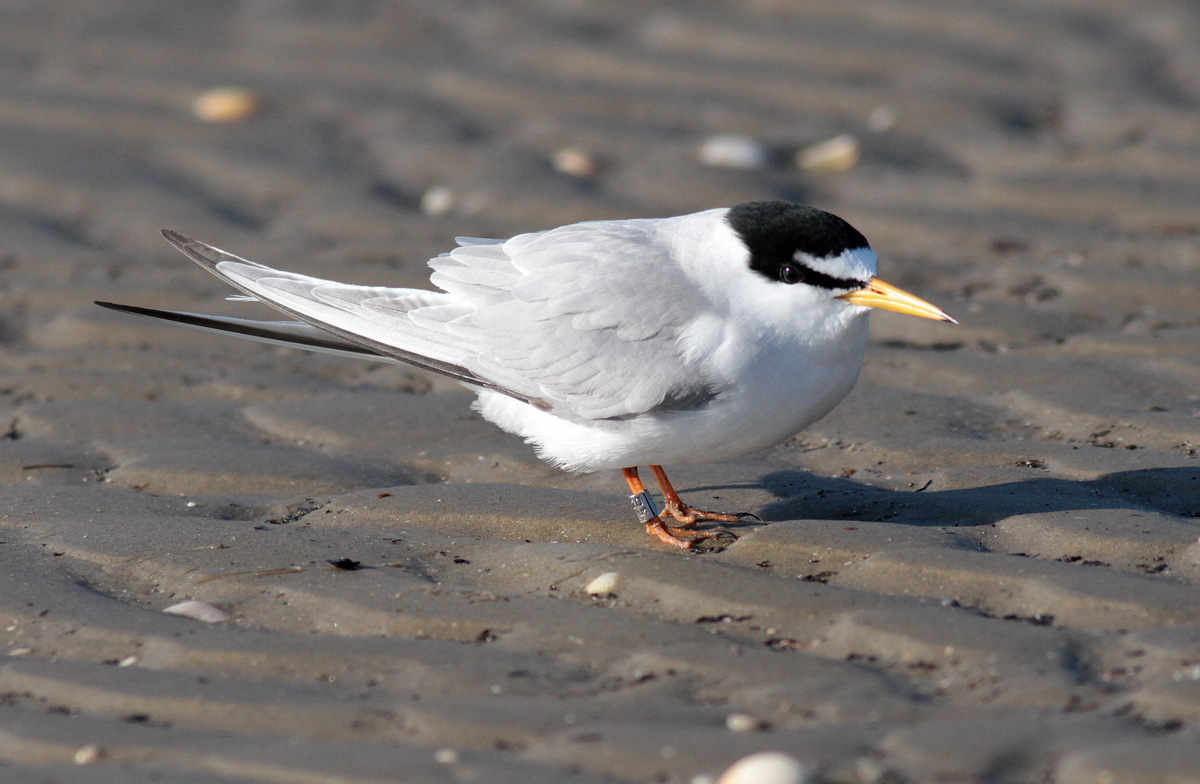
[
  {"x": 134, "y": 309},
  {"x": 174, "y": 237},
  {"x": 205, "y": 255}
]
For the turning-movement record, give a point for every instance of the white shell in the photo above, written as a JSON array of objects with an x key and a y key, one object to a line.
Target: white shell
[
  {"x": 225, "y": 104},
  {"x": 882, "y": 119},
  {"x": 832, "y": 155},
  {"x": 743, "y": 722},
  {"x": 575, "y": 162},
  {"x": 603, "y": 585},
  {"x": 438, "y": 200},
  {"x": 89, "y": 754},
  {"x": 198, "y": 611},
  {"x": 767, "y": 767},
  {"x": 732, "y": 151}
]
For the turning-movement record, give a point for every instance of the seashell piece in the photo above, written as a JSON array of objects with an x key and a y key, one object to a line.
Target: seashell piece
[
  {"x": 438, "y": 200},
  {"x": 602, "y": 585},
  {"x": 225, "y": 104},
  {"x": 732, "y": 151},
  {"x": 767, "y": 767},
  {"x": 882, "y": 119},
  {"x": 744, "y": 722},
  {"x": 575, "y": 162},
  {"x": 86, "y": 755},
  {"x": 832, "y": 155},
  {"x": 197, "y": 611}
]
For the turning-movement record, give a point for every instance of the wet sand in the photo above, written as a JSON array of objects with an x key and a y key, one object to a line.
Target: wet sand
[{"x": 983, "y": 566}]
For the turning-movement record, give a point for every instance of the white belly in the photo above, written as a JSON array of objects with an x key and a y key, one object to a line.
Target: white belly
[{"x": 777, "y": 396}]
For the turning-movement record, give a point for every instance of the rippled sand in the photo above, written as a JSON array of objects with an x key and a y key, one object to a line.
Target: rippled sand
[{"x": 982, "y": 567}]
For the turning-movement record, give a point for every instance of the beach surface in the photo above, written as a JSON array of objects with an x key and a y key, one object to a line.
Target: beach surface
[{"x": 982, "y": 567}]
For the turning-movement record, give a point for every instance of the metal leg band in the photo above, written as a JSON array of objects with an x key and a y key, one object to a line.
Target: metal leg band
[{"x": 643, "y": 506}]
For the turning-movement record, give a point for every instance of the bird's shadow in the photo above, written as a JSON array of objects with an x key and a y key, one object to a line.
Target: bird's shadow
[{"x": 1174, "y": 491}]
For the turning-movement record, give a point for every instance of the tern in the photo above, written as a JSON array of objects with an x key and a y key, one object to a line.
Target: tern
[{"x": 614, "y": 343}]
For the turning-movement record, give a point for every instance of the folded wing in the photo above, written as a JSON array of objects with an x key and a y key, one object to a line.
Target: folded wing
[{"x": 582, "y": 321}]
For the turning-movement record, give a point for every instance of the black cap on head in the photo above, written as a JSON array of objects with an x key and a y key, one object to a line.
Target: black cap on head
[{"x": 775, "y": 231}]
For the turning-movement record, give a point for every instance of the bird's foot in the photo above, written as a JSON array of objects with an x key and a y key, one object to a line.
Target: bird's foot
[
  {"x": 687, "y": 517},
  {"x": 682, "y": 535},
  {"x": 685, "y": 537}
]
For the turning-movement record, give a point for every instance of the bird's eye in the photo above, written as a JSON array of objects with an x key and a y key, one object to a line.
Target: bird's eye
[{"x": 789, "y": 273}]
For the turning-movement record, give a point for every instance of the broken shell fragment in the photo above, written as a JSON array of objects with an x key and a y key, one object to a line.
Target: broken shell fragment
[
  {"x": 88, "y": 755},
  {"x": 225, "y": 104},
  {"x": 575, "y": 162},
  {"x": 767, "y": 767},
  {"x": 438, "y": 200},
  {"x": 197, "y": 611},
  {"x": 744, "y": 722},
  {"x": 832, "y": 155},
  {"x": 603, "y": 585},
  {"x": 733, "y": 151}
]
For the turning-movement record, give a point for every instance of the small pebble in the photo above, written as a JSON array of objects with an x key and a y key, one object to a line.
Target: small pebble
[
  {"x": 733, "y": 151},
  {"x": 198, "y": 611},
  {"x": 445, "y": 756},
  {"x": 832, "y": 155},
  {"x": 438, "y": 200},
  {"x": 575, "y": 162},
  {"x": 20, "y": 651},
  {"x": 225, "y": 104},
  {"x": 872, "y": 771},
  {"x": 767, "y": 767},
  {"x": 881, "y": 119},
  {"x": 603, "y": 585},
  {"x": 128, "y": 661},
  {"x": 86, "y": 755},
  {"x": 744, "y": 722}
]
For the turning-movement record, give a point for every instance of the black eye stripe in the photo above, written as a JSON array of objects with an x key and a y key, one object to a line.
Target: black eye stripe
[{"x": 817, "y": 278}]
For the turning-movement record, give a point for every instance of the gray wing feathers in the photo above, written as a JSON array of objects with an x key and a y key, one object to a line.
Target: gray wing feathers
[
  {"x": 378, "y": 329},
  {"x": 585, "y": 324},
  {"x": 377, "y": 314},
  {"x": 581, "y": 320}
]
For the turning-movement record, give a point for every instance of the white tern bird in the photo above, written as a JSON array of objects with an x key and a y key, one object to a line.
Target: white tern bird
[{"x": 616, "y": 343}]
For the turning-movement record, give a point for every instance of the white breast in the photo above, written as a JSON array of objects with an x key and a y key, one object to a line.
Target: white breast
[{"x": 780, "y": 389}]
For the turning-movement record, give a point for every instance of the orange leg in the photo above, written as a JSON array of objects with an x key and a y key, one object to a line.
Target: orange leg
[{"x": 681, "y": 536}]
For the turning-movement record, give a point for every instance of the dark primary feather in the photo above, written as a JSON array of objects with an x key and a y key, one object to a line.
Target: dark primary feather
[
  {"x": 285, "y": 333},
  {"x": 209, "y": 258}
]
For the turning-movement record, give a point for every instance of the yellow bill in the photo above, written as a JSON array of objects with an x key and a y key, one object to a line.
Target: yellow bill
[{"x": 885, "y": 296}]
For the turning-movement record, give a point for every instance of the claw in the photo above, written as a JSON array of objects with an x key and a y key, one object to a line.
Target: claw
[{"x": 682, "y": 535}]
